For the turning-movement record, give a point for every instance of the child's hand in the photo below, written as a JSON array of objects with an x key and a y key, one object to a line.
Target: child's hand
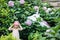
[
  {"x": 12, "y": 25},
  {"x": 20, "y": 29},
  {"x": 10, "y": 28}
]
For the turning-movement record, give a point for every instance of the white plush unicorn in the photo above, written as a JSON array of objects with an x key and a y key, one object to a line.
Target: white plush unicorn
[{"x": 33, "y": 18}]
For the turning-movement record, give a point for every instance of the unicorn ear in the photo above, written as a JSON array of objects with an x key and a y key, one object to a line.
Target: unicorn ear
[{"x": 36, "y": 8}]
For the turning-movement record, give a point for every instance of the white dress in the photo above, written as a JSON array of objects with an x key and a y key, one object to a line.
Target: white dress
[{"x": 15, "y": 33}]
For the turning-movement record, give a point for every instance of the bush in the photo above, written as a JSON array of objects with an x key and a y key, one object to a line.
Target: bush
[
  {"x": 21, "y": 11},
  {"x": 36, "y": 36},
  {"x": 9, "y": 37}
]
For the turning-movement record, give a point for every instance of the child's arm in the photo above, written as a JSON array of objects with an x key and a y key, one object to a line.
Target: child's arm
[
  {"x": 10, "y": 28},
  {"x": 20, "y": 27}
]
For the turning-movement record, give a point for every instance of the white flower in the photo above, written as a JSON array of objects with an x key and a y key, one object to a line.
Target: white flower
[
  {"x": 36, "y": 7},
  {"x": 49, "y": 9},
  {"x": 11, "y": 3},
  {"x": 22, "y": 1},
  {"x": 44, "y": 8},
  {"x": 48, "y": 30}
]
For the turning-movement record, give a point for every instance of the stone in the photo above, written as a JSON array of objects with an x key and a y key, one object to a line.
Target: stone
[
  {"x": 54, "y": 0},
  {"x": 53, "y": 3}
]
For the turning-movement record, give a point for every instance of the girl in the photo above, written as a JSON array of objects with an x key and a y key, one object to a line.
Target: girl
[{"x": 15, "y": 29}]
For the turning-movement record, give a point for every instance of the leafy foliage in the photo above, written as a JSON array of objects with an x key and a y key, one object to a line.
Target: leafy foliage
[
  {"x": 36, "y": 36},
  {"x": 9, "y": 37},
  {"x": 20, "y": 12}
]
